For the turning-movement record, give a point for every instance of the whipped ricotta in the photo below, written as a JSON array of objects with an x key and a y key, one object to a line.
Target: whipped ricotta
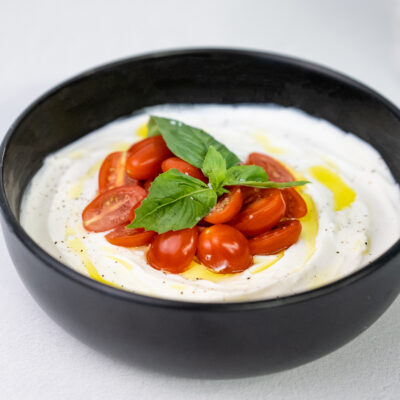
[{"x": 353, "y": 204}]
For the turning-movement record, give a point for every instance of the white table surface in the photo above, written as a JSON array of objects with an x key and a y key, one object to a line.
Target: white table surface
[{"x": 44, "y": 42}]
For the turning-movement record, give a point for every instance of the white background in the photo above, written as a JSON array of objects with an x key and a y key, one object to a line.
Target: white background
[{"x": 44, "y": 42}]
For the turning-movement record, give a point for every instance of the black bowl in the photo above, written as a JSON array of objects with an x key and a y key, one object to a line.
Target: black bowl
[{"x": 202, "y": 340}]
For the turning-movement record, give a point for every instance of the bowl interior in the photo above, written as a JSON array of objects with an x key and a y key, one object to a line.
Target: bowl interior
[{"x": 204, "y": 76}]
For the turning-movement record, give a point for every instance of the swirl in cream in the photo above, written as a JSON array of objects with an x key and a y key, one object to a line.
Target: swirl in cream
[{"x": 353, "y": 205}]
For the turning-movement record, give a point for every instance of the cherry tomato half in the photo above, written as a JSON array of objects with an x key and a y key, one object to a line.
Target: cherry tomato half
[
  {"x": 224, "y": 249},
  {"x": 262, "y": 214},
  {"x": 144, "y": 162},
  {"x": 132, "y": 212},
  {"x": 275, "y": 170},
  {"x": 227, "y": 207},
  {"x": 112, "y": 172},
  {"x": 122, "y": 236},
  {"x": 251, "y": 194},
  {"x": 184, "y": 167},
  {"x": 173, "y": 251},
  {"x": 296, "y": 207},
  {"x": 280, "y": 238},
  {"x": 111, "y": 209}
]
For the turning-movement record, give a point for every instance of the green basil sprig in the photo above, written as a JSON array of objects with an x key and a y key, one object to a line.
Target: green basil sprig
[
  {"x": 189, "y": 143},
  {"x": 175, "y": 201},
  {"x": 214, "y": 168},
  {"x": 239, "y": 175},
  {"x": 178, "y": 201}
]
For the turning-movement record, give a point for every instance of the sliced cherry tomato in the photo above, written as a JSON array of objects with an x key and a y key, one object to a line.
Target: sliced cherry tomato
[
  {"x": 251, "y": 194},
  {"x": 122, "y": 236},
  {"x": 184, "y": 167},
  {"x": 224, "y": 249},
  {"x": 144, "y": 162},
  {"x": 111, "y": 209},
  {"x": 262, "y": 214},
  {"x": 112, "y": 172},
  {"x": 173, "y": 251},
  {"x": 296, "y": 207},
  {"x": 280, "y": 238},
  {"x": 132, "y": 212},
  {"x": 275, "y": 170},
  {"x": 227, "y": 207}
]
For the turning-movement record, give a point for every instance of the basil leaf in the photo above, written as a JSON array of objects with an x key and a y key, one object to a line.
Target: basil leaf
[
  {"x": 271, "y": 184},
  {"x": 214, "y": 167},
  {"x": 242, "y": 173},
  {"x": 175, "y": 201},
  {"x": 254, "y": 176},
  {"x": 152, "y": 128},
  {"x": 189, "y": 143}
]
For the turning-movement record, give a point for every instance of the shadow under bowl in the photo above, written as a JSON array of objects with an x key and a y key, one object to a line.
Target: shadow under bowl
[{"x": 182, "y": 338}]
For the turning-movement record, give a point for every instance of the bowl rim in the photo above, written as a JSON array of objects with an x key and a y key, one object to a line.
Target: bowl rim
[{"x": 124, "y": 295}]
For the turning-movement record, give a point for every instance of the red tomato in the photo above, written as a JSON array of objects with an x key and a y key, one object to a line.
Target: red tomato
[
  {"x": 142, "y": 143},
  {"x": 173, "y": 251},
  {"x": 224, "y": 249},
  {"x": 132, "y": 212},
  {"x": 262, "y": 214},
  {"x": 251, "y": 194},
  {"x": 112, "y": 172},
  {"x": 227, "y": 207},
  {"x": 144, "y": 162},
  {"x": 296, "y": 207},
  {"x": 201, "y": 228},
  {"x": 280, "y": 238},
  {"x": 122, "y": 236},
  {"x": 275, "y": 170},
  {"x": 184, "y": 167},
  {"x": 111, "y": 209}
]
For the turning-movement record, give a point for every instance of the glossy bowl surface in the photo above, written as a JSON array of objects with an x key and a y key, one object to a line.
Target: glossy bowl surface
[{"x": 194, "y": 339}]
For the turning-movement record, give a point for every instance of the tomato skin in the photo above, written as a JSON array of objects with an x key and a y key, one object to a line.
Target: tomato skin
[
  {"x": 296, "y": 207},
  {"x": 144, "y": 162},
  {"x": 227, "y": 207},
  {"x": 132, "y": 212},
  {"x": 184, "y": 167},
  {"x": 111, "y": 208},
  {"x": 201, "y": 228},
  {"x": 158, "y": 139},
  {"x": 262, "y": 214},
  {"x": 275, "y": 170},
  {"x": 251, "y": 194},
  {"x": 112, "y": 172},
  {"x": 224, "y": 249},
  {"x": 173, "y": 251},
  {"x": 122, "y": 236},
  {"x": 285, "y": 234}
]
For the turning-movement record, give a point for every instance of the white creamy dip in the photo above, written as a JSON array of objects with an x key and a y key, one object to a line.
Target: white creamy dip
[{"x": 353, "y": 202}]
